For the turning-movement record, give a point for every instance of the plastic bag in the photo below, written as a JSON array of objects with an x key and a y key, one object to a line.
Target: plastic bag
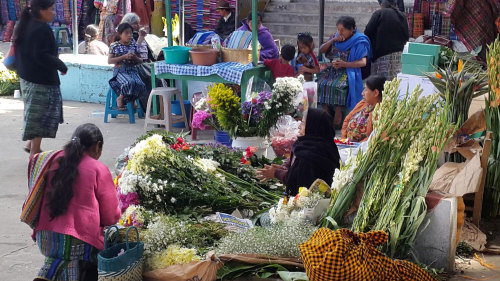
[
  {"x": 284, "y": 135},
  {"x": 255, "y": 85},
  {"x": 311, "y": 90}
]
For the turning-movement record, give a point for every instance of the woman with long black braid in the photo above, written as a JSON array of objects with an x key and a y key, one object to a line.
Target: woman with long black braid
[{"x": 79, "y": 200}]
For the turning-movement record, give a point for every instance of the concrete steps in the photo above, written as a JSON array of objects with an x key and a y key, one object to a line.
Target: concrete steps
[{"x": 286, "y": 20}]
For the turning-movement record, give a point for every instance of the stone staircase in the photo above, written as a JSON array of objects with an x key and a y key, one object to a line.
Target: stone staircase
[{"x": 285, "y": 19}]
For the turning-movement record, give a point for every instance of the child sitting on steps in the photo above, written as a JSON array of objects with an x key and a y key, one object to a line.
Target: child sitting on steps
[
  {"x": 126, "y": 81},
  {"x": 306, "y": 61},
  {"x": 281, "y": 67}
]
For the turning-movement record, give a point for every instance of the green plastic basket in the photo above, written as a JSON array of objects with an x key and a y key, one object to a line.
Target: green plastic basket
[{"x": 176, "y": 54}]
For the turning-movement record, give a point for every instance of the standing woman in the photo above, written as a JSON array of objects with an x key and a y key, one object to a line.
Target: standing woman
[
  {"x": 37, "y": 64},
  {"x": 388, "y": 33},
  {"x": 340, "y": 85}
]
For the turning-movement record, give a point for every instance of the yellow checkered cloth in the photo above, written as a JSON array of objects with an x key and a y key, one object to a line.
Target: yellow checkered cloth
[{"x": 345, "y": 255}]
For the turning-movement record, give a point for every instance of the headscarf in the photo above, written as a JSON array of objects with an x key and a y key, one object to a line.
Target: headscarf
[
  {"x": 359, "y": 46},
  {"x": 315, "y": 154}
]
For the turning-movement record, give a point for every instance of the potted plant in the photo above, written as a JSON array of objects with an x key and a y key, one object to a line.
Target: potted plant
[{"x": 250, "y": 122}]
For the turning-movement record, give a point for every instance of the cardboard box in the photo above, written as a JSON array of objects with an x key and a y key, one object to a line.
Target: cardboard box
[
  {"x": 425, "y": 49},
  {"x": 417, "y": 59},
  {"x": 416, "y": 69}
]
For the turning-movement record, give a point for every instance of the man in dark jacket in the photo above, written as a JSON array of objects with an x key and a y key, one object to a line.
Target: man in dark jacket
[{"x": 226, "y": 24}]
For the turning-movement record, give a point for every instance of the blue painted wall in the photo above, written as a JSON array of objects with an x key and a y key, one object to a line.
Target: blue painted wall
[{"x": 87, "y": 78}]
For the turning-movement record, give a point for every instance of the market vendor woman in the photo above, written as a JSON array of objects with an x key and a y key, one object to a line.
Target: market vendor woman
[
  {"x": 314, "y": 155},
  {"x": 358, "y": 124}
]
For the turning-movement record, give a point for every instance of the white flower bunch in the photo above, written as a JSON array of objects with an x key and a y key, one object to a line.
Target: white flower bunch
[
  {"x": 207, "y": 165},
  {"x": 285, "y": 90},
  {"x": 202, "y": 104},
  {"x": 148, "y": 148},
  {"x": 343, "y": 176},
  {"x": 164, "y": 231},
  {"x": 293, "y": 212},
  {"x": 171, "y": 256},
  {"x": 277, "y": 240},
  {"x": 128, "y": 182}
]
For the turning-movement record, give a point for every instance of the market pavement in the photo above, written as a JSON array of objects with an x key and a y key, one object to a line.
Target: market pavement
[{"x": 19, "y": 255}]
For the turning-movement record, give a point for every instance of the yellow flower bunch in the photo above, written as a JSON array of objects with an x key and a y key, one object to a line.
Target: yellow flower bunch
[
  {"x": 222, "y": 97},
  {"x": 171, "y": 256},
  {"x": 226, "y": 105}
]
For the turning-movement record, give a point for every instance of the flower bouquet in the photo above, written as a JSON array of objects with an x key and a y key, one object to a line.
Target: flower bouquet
[{"x": 256, "y": 116}]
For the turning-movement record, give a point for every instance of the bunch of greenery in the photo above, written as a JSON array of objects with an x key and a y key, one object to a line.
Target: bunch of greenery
[
  {"x": 492, "y": 185},
  {"x": 9, "y": 81},
  {"x": 397, "y": 169},
  {"x": 172, "y": 182}
]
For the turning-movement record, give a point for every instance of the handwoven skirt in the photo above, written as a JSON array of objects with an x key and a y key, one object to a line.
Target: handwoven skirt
[
  {"x": 42, "y": 110},
  {"x": 127, "y": 82},
  {"x": 388, "y": 66},
  {"x": 66, "y": 258},
  {"x": 333, "y": 87}
]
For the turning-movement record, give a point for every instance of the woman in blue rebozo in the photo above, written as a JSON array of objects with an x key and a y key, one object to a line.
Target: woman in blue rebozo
[{"x": 340, "y": 84}]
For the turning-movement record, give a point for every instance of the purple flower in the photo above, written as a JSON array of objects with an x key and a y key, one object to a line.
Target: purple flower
[
  {"x": 126, "y": 200},
  {"x": 198, "y": 119}
]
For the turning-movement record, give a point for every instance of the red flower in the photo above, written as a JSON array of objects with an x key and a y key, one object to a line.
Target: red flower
[
  {"x": 243, "y": 160},
  {"x": 180, "y": 140},
  {"x": 185, "y": 147},
  {"x": 254, "y": 101},
  {"x": 245, "y": 116}
]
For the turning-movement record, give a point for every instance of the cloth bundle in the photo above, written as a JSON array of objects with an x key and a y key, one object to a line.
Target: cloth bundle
[
  {"x": 345, "y": 255},
  {"x": 239, "y": 39},
  {"x": 11, "y": 10},
  {"x": 4, "y": 12}
]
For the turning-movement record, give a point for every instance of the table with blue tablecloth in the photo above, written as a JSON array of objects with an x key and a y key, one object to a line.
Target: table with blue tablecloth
[{"x": 225, "y": 72}]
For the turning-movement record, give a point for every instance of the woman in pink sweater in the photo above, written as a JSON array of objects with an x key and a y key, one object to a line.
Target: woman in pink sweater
[{"x": 79, "y": 201}]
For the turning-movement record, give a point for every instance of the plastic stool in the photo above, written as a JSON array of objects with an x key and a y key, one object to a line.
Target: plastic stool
[
  {"x": 111, "y": 108},
  {"x": 166, "y": 93},
  {"x": 63, "y": 40}
]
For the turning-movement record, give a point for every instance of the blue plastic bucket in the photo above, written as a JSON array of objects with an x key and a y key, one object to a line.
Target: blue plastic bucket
[
  {"x": 223, "y": 138},
  {"x": 176, "y": 109}
]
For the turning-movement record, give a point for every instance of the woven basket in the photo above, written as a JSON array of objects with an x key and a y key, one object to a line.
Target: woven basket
[{"x": 243, "y": 56}]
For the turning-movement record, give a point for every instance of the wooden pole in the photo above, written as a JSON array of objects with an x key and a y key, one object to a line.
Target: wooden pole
[
  {"x": 254, "y": 33},
  {"x": 169, "y": 23}
]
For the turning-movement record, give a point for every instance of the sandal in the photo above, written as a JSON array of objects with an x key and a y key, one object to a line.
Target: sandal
[{"x": 28, "y": 150}]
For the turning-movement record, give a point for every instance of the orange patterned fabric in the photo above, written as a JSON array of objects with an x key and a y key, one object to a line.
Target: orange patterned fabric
[{"x": 345, "y": 255}]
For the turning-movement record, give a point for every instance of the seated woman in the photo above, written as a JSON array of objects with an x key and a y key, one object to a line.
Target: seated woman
[
  {"x": 314, "y": 155},
  {"x": 340, "y": 84},
  {"x": 268, "y": 50},
  {"x": 79, "y": 200},
  {"x": 126, "y": 81},
  {"x": 358, "y": 124},
  {"x": 92, "y": 46}
]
